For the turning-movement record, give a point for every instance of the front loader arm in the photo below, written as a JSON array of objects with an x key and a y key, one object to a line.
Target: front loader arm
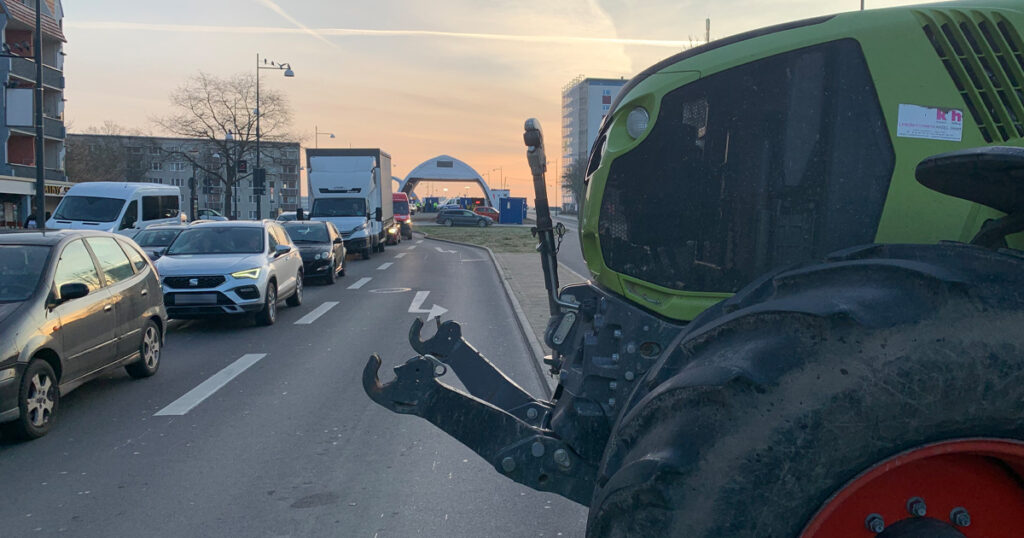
[{"x": 520, "y": 448}]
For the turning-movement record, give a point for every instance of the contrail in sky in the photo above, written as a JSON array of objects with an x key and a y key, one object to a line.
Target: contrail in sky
[
  {"x": 320, "y": 33},
  {"x": 269, "y": 4}
]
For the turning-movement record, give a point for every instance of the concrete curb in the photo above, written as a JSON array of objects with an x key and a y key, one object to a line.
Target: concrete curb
[{"x": 532, "y": 343}]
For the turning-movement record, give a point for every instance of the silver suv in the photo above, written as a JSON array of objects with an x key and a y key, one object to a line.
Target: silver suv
[{"x": 233, "y": 267}]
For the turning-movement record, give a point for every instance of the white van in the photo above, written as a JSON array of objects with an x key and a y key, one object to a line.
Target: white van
[{"x": 116, "y": 207}]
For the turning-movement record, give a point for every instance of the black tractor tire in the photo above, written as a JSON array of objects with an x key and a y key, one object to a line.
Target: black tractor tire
[
  {"x": 774, "y": 399},
  {"x": 149, "y": 353},
  {"x": 296, "y": 297},
  {"x": 268, "y": 316},
  {"x": 35, "y": 421}
]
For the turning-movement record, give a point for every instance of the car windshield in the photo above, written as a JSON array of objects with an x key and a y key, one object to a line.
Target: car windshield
[
  {"x": 401, "y": 207},
  {"x": 307, "y": 232},
  {"x": 156, "y": 238},
  {"x": 89, "y": 208},
  {"x": 21, "y": 267},
  {"x": 218, "y": 240},
  {"x": 339, "y": 207}
]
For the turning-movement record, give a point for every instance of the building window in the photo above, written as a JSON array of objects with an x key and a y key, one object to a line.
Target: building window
[
  {"x": 289, "y": 168},
  {"x": 177, "y": 167},
  {"x": 176, "y": 181},
  {"x": 155, "y": 180},
  {"x": 156, "y": 166},
  {"x": 153, "y": 150},
  {"x": 135, "y": 150},
  {"x": 252, "y": 214}
]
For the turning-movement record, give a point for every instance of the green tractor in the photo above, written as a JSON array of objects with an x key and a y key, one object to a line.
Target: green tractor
[{"x": 806, "y": 312}]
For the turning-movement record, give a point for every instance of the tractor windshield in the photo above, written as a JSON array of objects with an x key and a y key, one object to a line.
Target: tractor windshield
[{"x": 773, "y": 162}]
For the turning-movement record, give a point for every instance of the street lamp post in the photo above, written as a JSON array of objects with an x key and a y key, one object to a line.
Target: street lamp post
[
  {"x": 259, "y": 177},
  {"x": 318, "y": 133},
  {"x": 501, "y": 176}
]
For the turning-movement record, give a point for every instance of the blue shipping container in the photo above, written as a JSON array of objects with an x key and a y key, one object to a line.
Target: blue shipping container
[{"x": 512, "y": 210}]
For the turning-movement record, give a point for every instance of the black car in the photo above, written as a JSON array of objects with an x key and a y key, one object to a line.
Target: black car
[
  {"x": 321, "y": 246},
  {"x": 73, "y": 304},
  {"x": 154, "y": 240},
  {"x": 462, "y": 217}
]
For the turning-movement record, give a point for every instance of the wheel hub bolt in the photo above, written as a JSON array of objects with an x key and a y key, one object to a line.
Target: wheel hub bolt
[
  {"x": 537, "y": 449},
  {"x": 613, "y": 385},
  {"x": 562, "y": 458},
  {"x": 629, "y": 376},
  {"x": 508, "y": 464},
  {"x": 617, "y": 334},
  {"x": 611, "y": 402},
  {"x": 875, "y": 523},
  {"x": 531, "y": 413},
  {"x": 615, "y": 357},
  {"x": 917, "y": 507},
  {"x": 960, "y": 517}
]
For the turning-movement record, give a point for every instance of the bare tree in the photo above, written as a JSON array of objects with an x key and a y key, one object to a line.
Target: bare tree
[
  {"x": 99, "y": 154},
  {"x": 573, "y": 177},
  {"x": 209, "y": 107}
]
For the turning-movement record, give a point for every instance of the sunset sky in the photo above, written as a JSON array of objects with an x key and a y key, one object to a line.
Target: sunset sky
[{"x": 415, "y": 78}]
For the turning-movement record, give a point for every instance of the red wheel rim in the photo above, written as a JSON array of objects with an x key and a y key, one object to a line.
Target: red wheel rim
[{"x": 982, "y": 476}]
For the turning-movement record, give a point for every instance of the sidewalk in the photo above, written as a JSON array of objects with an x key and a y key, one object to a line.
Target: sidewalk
[{"x": 526, "y": 278}]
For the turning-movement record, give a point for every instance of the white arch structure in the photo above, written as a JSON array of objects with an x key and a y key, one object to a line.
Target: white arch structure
[{"x": 444, "y": 168}]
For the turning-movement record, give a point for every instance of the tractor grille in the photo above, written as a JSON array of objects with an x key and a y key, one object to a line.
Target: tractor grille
[
  {"x": 983, "y": 54},
  {"x": 184, "y": 282}
]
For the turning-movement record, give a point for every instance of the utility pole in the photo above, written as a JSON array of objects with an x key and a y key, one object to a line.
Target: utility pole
[{"x": 40, "y": 166}]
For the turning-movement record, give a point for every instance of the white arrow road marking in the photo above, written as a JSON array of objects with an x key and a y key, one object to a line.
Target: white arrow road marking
[
  {"x": 411, "y": 247},
  {"x": 443, "y": 251},
  {"x": 400, "y": 255},
  {"x": 316, "y": 313},
  {"x": 384, "y": 266},
  {"x": 360, "y": 283},
  {"x": 417, "y": 306},
  {"x": 206, "y": 389}
]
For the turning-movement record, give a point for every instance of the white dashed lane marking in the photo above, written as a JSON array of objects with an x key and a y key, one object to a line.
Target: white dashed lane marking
[
  {"x": 400, "y": 255},
  {"x": 412, "y": 247},
  {"x": 316, "y": 313},
  {"x": 206, "y": 389},
  {"x": 360, "y": 283},
  {"x": 384, "y": 266}
]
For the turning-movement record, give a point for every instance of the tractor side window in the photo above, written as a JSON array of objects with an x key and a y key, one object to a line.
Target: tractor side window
[{"x": 757, "y": 167}]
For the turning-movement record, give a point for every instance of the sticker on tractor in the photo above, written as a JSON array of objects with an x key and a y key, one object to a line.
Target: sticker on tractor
[{"x": 930, "y": 123}]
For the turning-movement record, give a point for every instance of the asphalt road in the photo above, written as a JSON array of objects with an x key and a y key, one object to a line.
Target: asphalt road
[
  {"x": 570, "y": 254},
  {"x": 291, "y": 446}
]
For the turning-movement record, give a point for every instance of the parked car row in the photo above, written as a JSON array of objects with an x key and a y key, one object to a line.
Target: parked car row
[{"x": 75, "y": 304}]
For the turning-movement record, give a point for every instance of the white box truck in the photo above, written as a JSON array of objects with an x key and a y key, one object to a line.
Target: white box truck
[{"x": 346, "y": 189}]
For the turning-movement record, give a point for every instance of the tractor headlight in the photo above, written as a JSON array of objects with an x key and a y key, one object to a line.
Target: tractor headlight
[
  {"x": 637, "y": 121},
  {"x": 253, "y": 273}
]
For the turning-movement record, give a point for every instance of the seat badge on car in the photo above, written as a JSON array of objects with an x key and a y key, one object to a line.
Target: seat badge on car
[{"x": 193, "y": 282}]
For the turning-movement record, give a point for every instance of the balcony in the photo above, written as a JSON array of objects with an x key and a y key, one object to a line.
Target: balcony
[
  {"x": 21, "y": 170},
  {"x": 25, "y": 68},
  {"x": 52, "y": 128}
]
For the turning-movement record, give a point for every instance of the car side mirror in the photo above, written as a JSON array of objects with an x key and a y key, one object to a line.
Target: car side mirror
[
  {"x": 338, "y": 241},
  {"x": 281, "y": 250},
  {"x": 74, "y": 290},
  {"x": 379, "y": 214}
]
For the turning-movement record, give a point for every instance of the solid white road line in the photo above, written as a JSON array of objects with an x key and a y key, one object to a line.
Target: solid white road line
[
  {"x": 316, "y": 313},
  {"x": 206, "y": 389},
  {"x": 400, "y": 255},
  {"x": 384, "y": 266},
  {"x": 360, "y": 283}
]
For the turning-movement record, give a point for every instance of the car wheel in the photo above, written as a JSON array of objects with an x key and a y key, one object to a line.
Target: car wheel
[
  {"x": 268, "y": 315},
  {"x": 296, "y": 298},
  {"x": 149, "y": 353},
  {"x": 481, "y": 223},
  {"x": 448, "y": 222},
  {"x": 332, "y": 274},
  {"x": 38, "y": 400}
]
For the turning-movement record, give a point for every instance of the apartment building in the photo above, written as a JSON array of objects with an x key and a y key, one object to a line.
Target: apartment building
[{"x": 18, "y": 130}]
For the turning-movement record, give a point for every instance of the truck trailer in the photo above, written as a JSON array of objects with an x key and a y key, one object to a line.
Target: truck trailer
[{"x": 346, "y": 189}]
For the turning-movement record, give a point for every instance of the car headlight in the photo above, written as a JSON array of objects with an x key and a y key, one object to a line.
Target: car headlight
[
  {"x": 323, "y": 255},
  {"x": 637, "y": 121},
  {"x": 253, "y": 273}
]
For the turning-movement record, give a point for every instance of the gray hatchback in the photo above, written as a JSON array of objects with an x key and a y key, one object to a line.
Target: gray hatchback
[{"x": 73, "y": 305}]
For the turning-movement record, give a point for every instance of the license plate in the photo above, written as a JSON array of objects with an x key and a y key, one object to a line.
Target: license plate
[{"x": 195, "y": 298}]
